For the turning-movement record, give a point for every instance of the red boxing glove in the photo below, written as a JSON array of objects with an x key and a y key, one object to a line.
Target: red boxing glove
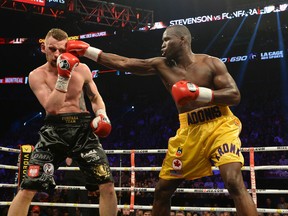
[
  {"x": 184, "y": 91},
  {"x": 66, "y": 63},
  {"x": 81, "y": 48},
  {"x": 78, "y": 47},
  {"x": 101, "y": 125}
]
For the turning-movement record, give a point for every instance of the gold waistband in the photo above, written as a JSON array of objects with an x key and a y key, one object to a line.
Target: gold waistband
[{"x": 203, "y": 114}]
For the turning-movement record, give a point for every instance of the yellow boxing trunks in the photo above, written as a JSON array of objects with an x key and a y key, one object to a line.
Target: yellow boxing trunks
[{"x": 207, "y": 136}]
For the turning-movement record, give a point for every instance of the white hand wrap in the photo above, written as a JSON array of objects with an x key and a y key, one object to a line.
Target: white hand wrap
[
  {"x": 62, "y": 84},
  {"x": 93, "y": 53},
  {"x": 103, "y": 113},
  {"x": 205, "y": 95}
]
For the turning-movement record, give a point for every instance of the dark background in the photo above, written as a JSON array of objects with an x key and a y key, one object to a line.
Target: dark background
[{"x": 259, "y": 78}]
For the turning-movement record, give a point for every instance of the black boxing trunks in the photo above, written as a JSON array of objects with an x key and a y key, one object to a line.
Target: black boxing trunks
[{"x": 61, "y": 136}]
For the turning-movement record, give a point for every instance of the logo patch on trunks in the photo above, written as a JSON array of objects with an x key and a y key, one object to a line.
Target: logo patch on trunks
[
  {"x": 48, "y": 168},
  {"x": 70, "y": 119},
  {"x": 177, "y": 164},
  {"x": 33, "y": 171},
  {"x": 42, "y": 156},
  {"x": 90, "y": 156},
  {"x": 179, "y": 151},
  {"x": 101, "y": 171},
  {"x": 227, "y": 148},
  {"x": 203, "y": 115}
]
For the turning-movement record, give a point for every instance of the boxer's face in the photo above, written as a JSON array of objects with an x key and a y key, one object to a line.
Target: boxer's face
[
  {"x": 171, "y": 44},
  {"x": 52, "y": 49}
]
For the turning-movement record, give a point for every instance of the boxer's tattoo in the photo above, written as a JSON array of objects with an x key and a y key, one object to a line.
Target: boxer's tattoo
[{"x": 88, "y": 91}]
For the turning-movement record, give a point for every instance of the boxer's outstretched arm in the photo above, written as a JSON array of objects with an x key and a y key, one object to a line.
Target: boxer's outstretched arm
[{"x": 134, "y": 65}]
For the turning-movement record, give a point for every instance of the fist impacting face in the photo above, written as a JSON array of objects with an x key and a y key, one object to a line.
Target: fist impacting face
[{"x": 52, "y": 49}]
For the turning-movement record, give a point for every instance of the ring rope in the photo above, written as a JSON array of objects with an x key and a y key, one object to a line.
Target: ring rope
[
  {"x": 179, "y": 190},
  {"x": 132, "y": 189},
  {"x": 244, "y": 168},
  {"x": 148, "y": 151},
  {"x": 184, "y": 208},
  {"x": 9, "y": 149}
]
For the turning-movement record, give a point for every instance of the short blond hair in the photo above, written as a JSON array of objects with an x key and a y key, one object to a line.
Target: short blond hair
[{"x": 57, "y": 33}]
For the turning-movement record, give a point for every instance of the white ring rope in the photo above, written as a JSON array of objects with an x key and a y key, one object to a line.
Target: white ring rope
[
  {"x": 179, "y": 190},
  {"x": 184, "y": 208},
  {"x": 151, "y": 151},
  {"x": 245, "y": 168},
  {"x": 150, "y": 190}
]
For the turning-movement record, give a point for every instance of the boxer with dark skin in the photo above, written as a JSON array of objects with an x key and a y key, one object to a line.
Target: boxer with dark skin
[{"x": 203, "y": 90}]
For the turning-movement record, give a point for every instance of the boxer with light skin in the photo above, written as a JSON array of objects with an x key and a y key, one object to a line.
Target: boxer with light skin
[
  {"x": 69, "y": 129},
  {"x": 203, "y": 90}
]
